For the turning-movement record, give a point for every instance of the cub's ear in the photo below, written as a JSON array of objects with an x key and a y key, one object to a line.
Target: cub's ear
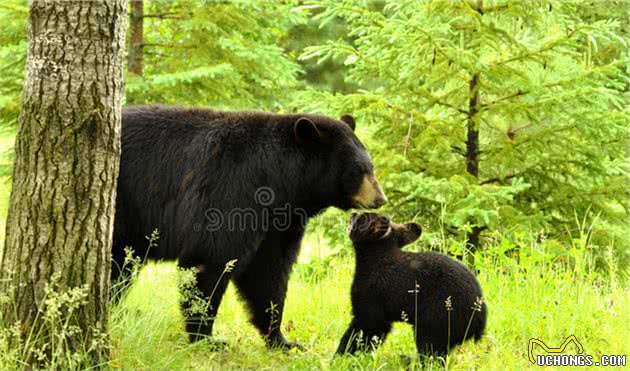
[
  {"x": 349, "y": 120},
  {"x": 411, "y": 232},
  {"x": 306, "y": 131}
]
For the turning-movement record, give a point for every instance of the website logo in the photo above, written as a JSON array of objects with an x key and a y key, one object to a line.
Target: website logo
[{"x": 556, "y": 358}]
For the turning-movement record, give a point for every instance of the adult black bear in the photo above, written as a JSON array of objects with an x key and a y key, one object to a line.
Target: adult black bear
[
  {"x": 431, "y": 291},
  {"x": 221, "y": 186}
]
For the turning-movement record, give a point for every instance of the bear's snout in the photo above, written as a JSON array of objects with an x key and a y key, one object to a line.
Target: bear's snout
[{"x": 370, "y": 195}]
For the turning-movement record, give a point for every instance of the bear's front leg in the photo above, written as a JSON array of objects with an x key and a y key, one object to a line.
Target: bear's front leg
[
  {"x": 348, "y": 343},
  {"x": 263, "y": 284},
  {"x": 363, "y": 336}
]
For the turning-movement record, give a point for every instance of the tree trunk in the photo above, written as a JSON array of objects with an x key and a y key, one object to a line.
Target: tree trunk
[
  {"x": 61, "y": 210},
  {"x": 472, "y": 147},
  {"x": 136, "y": 44},
  {"x": 472, "y": 128}
]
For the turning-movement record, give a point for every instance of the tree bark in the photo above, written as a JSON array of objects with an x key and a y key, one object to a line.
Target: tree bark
[
  {"x": 472, "y": 147},
  {"x": 61, "y": 209},
  {"x": 472, "y": 129},
  {"x": 136, "y": 44}
]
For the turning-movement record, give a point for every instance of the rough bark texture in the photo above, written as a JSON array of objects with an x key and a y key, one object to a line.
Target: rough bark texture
[
  {"x": 136, "y": 43},
  {"x": 61, "y": 210}
]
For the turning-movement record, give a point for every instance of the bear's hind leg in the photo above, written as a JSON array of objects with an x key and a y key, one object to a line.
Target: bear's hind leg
[
  {"x": 201, "y": 304},
  {"x": 263, "y": 284},
  {"x": 431, "y": 345}
]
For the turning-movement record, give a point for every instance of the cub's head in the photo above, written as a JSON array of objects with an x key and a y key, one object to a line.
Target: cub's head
[
  {"x": 340, "y": 169},
  {"x": 370, "y": 227}
]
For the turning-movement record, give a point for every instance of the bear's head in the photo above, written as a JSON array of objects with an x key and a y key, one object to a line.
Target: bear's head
[
  {"x": 369, "y": 228},
  {"x": 342, "y": 173}
]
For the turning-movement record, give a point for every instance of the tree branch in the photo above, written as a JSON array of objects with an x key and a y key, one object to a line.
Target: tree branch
[
  {"x": 166, "y": 15},
  {"x": 459, "y": 150},
  {"x": 160, "y": 54},
  {"x": 158, "y": 45},
  {"x": 449, "y": 106},
  {"x": 539, "y": 51},
  {"x": 499, "y": 179},
  {"x": 518, "y": 93}
]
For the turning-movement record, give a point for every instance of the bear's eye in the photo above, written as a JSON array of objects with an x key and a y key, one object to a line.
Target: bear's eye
[{"x": 353, "y": 172}]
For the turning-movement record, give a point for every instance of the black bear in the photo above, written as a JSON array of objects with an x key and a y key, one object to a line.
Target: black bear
[
  {"x": 224, "y": 186},
  {"x": 438, "y": 295}
]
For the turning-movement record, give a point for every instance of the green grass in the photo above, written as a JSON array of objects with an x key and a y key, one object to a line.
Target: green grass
[
  {"x": 525, "y": 299},
  {"x": 148, "y": 330}
]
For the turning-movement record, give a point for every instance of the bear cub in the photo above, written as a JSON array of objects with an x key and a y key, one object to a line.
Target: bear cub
[{"x": 437, "y": 295}]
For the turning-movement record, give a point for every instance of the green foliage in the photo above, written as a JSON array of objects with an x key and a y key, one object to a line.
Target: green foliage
[
  {"x": 552, "y": 116},
  {"x": 13, "y": 15},
  {"x": 329, "y": 75},
  {"x": 222, "y": 54},
  {"x": 59, "y": 327}
]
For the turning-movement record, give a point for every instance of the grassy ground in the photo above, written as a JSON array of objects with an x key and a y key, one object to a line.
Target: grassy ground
[
  {"x": 525, "y": 300},
  {"x": 148, "y": 329}
]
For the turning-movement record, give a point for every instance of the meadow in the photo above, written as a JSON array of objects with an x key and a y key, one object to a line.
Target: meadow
[{"x": 529, "y": 295}]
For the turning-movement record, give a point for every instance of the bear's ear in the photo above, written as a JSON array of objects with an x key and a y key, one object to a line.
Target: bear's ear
[
  {"x": 349, "y": 120},
  {"x": 412, "y": 232},
  {"x": 306, "y": 131}
]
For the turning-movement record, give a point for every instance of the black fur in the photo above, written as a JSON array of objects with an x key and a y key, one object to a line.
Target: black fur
[
  {"x": 384, "y": 287},
  {"x": 178, "y": 164}
]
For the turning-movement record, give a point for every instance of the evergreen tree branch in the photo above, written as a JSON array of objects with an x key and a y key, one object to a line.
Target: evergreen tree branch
[{"x": 535, "y": 52}]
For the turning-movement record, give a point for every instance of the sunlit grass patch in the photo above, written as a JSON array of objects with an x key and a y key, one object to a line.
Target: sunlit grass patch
[{"x": 148, "y": 329}]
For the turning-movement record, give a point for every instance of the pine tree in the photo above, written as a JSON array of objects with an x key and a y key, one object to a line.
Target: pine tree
[
  {"x": 498, "y": 115},
  {"x": 222, "y": 54}
]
